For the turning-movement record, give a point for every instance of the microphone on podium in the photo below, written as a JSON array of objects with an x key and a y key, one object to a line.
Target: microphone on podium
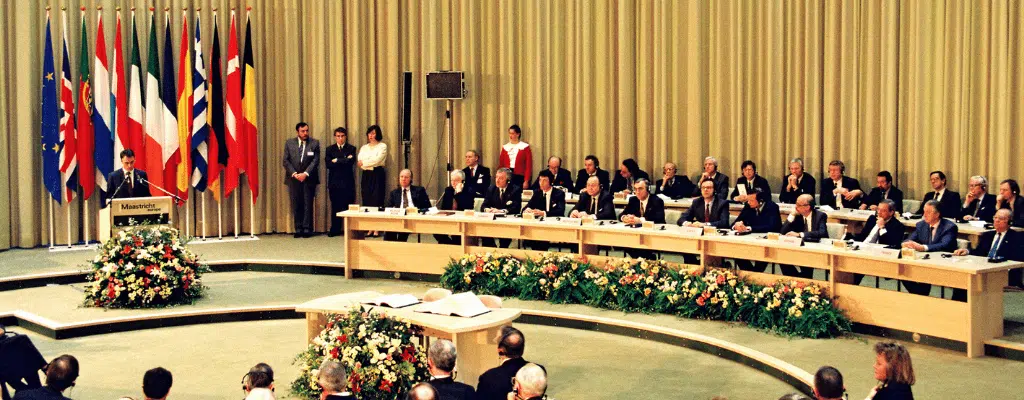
[{"x": 177, "y": 199}]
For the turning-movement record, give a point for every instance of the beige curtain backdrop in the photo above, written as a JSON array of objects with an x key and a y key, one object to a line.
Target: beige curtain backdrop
[{"x": 906, "y": 86}]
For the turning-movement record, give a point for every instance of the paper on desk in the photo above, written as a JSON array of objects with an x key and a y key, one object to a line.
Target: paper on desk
[
  {"x": 394, "y": 300},
  {"x": 463, "y": 305}
]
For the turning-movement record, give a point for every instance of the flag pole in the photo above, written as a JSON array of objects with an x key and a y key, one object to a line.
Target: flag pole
[
  {"x": 52, "y": 234},
  {"x": 188, "y": 215},
  {"x": 85, "y": 210},
  {"x": 238, "y": 203},
  {"x": 69, "y": 224},
  {"x": 252, "y": 216},
  {"x": 202, "y": 196},
  {"x": 220, "y": 223}
]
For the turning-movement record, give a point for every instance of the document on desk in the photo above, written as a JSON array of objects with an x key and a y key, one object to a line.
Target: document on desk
[
  {"x": 394, "y": 300},
  {"x": 462, "y": 305}
]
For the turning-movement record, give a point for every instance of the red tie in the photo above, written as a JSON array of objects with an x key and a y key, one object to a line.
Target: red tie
[{"x": 707, "y": 213}]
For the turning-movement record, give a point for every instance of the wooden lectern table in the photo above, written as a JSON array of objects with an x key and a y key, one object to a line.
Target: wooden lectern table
[{"x": 123, "y": 213}]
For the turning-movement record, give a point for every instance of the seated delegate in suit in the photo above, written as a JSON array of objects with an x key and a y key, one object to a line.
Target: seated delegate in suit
[
  {"x": 547, "y": 200},
  {"x": 560, "y": 176},
  {"x": 883, "y": 191},
  {"x": 127, "y": 182},
  {"x": 882, "y": 228},
  {"x": 796, "y": 183},
  {"x": 504, "y": 197},
  {"x": 839, "y": 191},
  {"x": 749, "y": 181},
  {"x": 1009, "y": 198},
  {"x": 949, "y": 201},
  {"x": 478, "y": 177},
  {"x": 591, "y": 167},
  {"x": 629, "y": 173},
  {"x": 706, "y": 210},
  {"x": 594, "y": 201},
  {"x": 759, "y": 215},
  {"x": 933, "y": 233},
  {"x": 642, "y": 207},
  {"x": 807, "y": 223},
  {"x": 711, "y": 173},
  {"x": 1002, "y": 242},
  {"x": 978, "y": 205},
  {"x": 404, "y": 196},
  {"x": 456, "y": 197},
  {"x": 672, "y": 185}
]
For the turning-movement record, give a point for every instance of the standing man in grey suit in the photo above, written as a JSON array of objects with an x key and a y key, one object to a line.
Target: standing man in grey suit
[{"x": 302, "y": 175}]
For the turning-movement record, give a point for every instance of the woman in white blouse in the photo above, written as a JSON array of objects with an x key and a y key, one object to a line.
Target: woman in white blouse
[
  {"x": 517, "y": 156},
  {"x": 372, "y": 157}
]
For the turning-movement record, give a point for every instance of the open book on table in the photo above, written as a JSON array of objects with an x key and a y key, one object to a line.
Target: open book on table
[
  {"x": 462, "y": 305},
  {"x": 394, "y": 300}
]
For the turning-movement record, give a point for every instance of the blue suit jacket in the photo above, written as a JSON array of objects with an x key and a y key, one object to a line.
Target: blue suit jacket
[{"x": 945, "y": 236}]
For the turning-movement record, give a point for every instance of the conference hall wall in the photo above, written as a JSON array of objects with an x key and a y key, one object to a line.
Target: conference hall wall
[{"x": 905, "y": 86}]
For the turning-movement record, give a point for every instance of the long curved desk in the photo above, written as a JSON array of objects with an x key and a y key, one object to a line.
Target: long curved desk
[{"x": 971, "y": 323}]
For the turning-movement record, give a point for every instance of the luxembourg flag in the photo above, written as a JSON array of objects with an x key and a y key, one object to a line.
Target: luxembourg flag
[{"x": 104, "y": 139}]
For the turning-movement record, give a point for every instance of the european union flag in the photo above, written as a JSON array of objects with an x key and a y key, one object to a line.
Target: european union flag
[{"x": 51, "y": 122}]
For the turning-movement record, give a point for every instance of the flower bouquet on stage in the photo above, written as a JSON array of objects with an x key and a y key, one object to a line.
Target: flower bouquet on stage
[{"x": 144, "y": 266}]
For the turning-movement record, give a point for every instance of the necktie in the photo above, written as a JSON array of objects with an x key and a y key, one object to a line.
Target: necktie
[
  {"x": 302, "y": 150},
  {"x": 547, "y": 201},
  {"x": 707, "y": 212},
  {"x": 472, "y": 172},
  {"x": 995, "y": 246},
  {"x": 501, "y": 194},
  {"x": 938, "y": 196},
  {"x": 642, "y": 207},
  {"x": 976, "y": 208},
  {"x": 807, "y": 224},
  {"x": 131, "y": 182},
  {"x": 839, "y": 197},
  {"x": 454, "y": 205},
  {"x": 873, "y": 237},
  {"x": 593, "y": 205},
  {"x": 932, "y": 238},
  {"x": 404, "y": 203}
]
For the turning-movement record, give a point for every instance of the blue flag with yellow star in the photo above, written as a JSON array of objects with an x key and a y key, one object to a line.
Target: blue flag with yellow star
[{"x": 51, "y": 122}]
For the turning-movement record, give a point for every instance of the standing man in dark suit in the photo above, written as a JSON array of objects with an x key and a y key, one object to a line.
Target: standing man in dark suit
[
  {"x": 546, "y": 201},
  {"x": 441, "y": 362},
  {"x": 302, "y": 175},
  {"x": 1002, "y": 242},
  {"x": 838, "y": 190},
  {"x": 882, "y": 228},
  {"x": 478, "y": 177},
  {"x": 594, "y": 201},
  {"x": 504, "y": 197},
  {"x": 978, "y": 205},
  {"x": 404, "y": 196},
  {"x": 127, "y": 182},
  {"x": 672, "y": 185},
  {"x": 560, "y": 176},
  {"x": 496, "y": 383},
  {"x": 707, "y": 210},
  {"x": 642, "y": 207},
  {"x": 341, "y": 181},
  {"x": 884, "y": 191},
  {"x": 1009, "y": 198},
  {"x": 759, "y": 215},
  {"x": 796, "y": 183},
  {"x": 807, "y": 223},
  {"x": 932, "y": 234},
  {"x": 591, "y": 167},
  {"x": 949, "y": 201},
  {"x": 711, "y": 173}
]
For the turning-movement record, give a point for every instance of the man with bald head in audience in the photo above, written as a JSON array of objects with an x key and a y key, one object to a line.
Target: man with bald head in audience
[
  {"x": 559, "y": 176},
  {"x": 61, "y": 374},
  {"x": 807, "y": 223},
  {"x": 594, "y": 201},
  {"x": 496, "y": 383},
  {"x": 671, "y": 185}
]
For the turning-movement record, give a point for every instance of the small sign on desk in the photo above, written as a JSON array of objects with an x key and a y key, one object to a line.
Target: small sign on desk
[
  {"x": 484, "y": 215},
  {"x": 394, "y": 211},
  {"x": 791, "y": 240},
  {"x": 570, "y": 221},
  {"x": 710, "y": 231},
  {"x": 528, "y": 193},
  {"x": 883, "y": 252},
  {"x": 529, "y": 216},
  {"x": 353, "y": 207},
  {"x": 773, "y": 236},
  {"x": 647, "y": 224},
  {"x": 589, "y": 220},
  {"x": 691, "y": 231},
  {"x": 909, "y": 253}
]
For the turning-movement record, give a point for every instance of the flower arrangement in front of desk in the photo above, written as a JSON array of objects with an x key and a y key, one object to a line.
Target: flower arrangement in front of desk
[
  {"x": 652, "y": 286},
  {"x": 379, "y": 353},
  {"x": 144, "y": 266}
]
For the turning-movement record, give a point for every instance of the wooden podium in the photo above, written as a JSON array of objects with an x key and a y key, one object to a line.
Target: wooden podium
[{"x": 123, "y": 213}]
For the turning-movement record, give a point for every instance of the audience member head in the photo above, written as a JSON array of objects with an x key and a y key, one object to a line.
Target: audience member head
[
  {"x": 422, "y": 391},
  {"x": 554, "y": 163},
  {"x": 669, "y": 169},
  {"x": 472, "y": 158},
  {"x": 514, "y": 133},
  {"x": 302, "y": 130},
  {"x": 531, "y": 382},
  {"x": 892, "y": 363},
  {"x": 405, "y": 178},
  {"x": 127, "y": 160},
  {"x": 932, "y": 213},
  {"x": 707, "y": 190},
  {"x": 836, "y": 169},
  {"x": 441, "y": 357},
  {"x": 804, "y": 204},
  {"x": 749, "y": 169},
  {"x": 794, "y": 396},
  {"x": 593, "y": 186},
  {"x": 456, "y": 177},
  {"x": 937, "y": 179},
  {"x": 886, "y": 208},
  {"x": 259, "y": 376},
  {"x": 640, "y": 189},
  {"x": 710, "y": 165},
  {"x": 544, "y": 180},
  {"x": 501, "y": 177},
  {"x": 156, "y": 383},
  {"x": 1009, "y": 189},
  {"x": 511, "y": 342},
  {"x": 828, "y": 384},
  {"x": 374, "y": 134},
  {"x": 978, "y": 185},
  {"x": 759, "y": 197},
  {"x": 332, "y": 378},
  {"x": 590, "y": 163},
  {"x": 796, "y": 166},
  {"x": 340, "y": 135},
  {"x": 62, "y": 372},
  {"x": 629, "y": 168},
  {"x": 884, "y": 180},
  {"x": 1001, "y": 220}
]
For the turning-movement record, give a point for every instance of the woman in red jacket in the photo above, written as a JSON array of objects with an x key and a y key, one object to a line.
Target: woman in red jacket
[{"x": 516, "y": 155}]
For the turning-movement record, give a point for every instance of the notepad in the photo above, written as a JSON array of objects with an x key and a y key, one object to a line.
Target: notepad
[
  {"x": 462, "y": 305},
  {"x": 394, "y": 300}
]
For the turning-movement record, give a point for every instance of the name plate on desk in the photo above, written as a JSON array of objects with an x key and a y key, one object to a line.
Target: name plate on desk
[
  {"x": 589, "y": 220},
  {"x": 884, "y": 252},
  {"x": 647, "y": 224},
  {"x": 785, "y": 208},
  {"x": 791, "y": 240},
  {"x": 527, "y": 193},
  {"x": 835, "y": 243},
  {"x": 468, "y": 213},
  {"x": 909, "y": 253},
  {"x": 529, "y": 216},
  {"x": 571, "y": 221},
  {"x": 353, "y": 207},
  {"x": 394, "y": 211},
  {"x": 773, "y": 236},
  {"x": 412, "y": 210},
  {"x": 620, "y": 195},
  {"x": 691, "y": 231},
  {"x": 483, "y": 215},
  {"x": 865, "y": 213},
  {"x": 711, "y": 231}
]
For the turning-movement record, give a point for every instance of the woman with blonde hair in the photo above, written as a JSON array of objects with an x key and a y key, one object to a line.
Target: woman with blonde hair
[{"x": 894, "y": 372}]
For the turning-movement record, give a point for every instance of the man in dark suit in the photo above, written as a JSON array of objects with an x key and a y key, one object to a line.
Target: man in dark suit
[
  {"x": 478, "y": 177},
  {"x": 504, "y": 197},
  {"x": 707, "y": 210},
  {"x": 807, "y": 223},
  {"x": 796, "y": 183},
  {"x": 531, "y": 383},
  {"x": 496, "y": 383},
  {"x": 643, "y": 207},
  {"x": 560, "y": 176},
  {"x": 629, "y": 173},
  {"x": 882, "y": 228},
  {"x": 546, "y": 201},
  {"x": 711, "y": 173},
  {"x": 672, "y": 185},
  {"x": 61, "y": 374},
  {"x": 302, "y": 175},
  {"x": 839, "y": 191},
  {"x": 594, "y": 201},
  {"x": 749, "y": 181},
  {"x": 1009, "y": 198},
  {"x": 441, "y": 362},
  {"x": 933, "y": 234},
  {"x": 759, "y": 215},
  {"x": 341, "y": 181},
  {"x": 1002, "y": 242},
  {"x": 333, "y": 379},
  {"x": 591, "y": 167},
  {"x": 127, "y": 182},
  {"x": 456, "y": 197},
  {"x": 883, "y": 191},
  {"x": 978, "y": 205},
  {"x": 404, "y": 196},
  {"x": 949, "y": 201}
]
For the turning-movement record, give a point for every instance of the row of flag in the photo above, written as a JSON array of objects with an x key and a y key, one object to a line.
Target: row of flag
[{"x": 181, "y": 137}]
